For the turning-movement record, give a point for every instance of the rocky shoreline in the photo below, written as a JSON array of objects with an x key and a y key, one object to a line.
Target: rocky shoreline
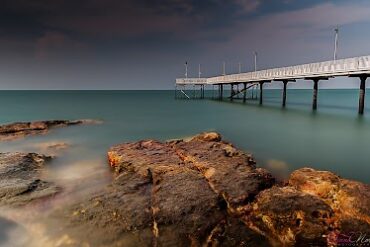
[
  {"x": 22, "y": 129},
  {"x": 197, "y": 192},
  {"x": 205, "y": 192}
]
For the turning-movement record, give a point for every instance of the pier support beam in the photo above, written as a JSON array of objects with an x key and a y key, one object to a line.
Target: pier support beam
[
  {"x": 314, "y": 96},
  {"x": 245, "y": 92},
  {"x": 261, "y": 92},
  {"x": 315, "y": 90},
  {"x": 361, "y": 103},
  {"x": 285, "y": 83},
  {"x": 221, "y": 87},
  {"x": 284, "y": 92},
  {"x": 231, "y": 92}
]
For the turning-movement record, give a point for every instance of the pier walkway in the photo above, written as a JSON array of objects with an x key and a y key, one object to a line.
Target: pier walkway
[{"x": 350, "y": 67}]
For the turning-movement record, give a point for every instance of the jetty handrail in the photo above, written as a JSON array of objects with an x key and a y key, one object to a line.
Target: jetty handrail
[
  {"x": 191, "y": 81},
  {"x": 341, "y": 67}
]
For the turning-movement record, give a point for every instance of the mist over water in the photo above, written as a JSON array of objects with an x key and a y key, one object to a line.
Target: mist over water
[{"x": 334, "y": 138}]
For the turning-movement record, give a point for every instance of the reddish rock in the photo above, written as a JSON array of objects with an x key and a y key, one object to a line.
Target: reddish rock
[
  {"x": 350, "y": 200},
  {"x": 231, "y": 173},
  {"x": 290, "y": 217},
  {"x": 161, "y": 198},
  {"x": 315, "y": 208},
  {"x": 205, "y": 192},
  {"x": 21, "y": 129}
]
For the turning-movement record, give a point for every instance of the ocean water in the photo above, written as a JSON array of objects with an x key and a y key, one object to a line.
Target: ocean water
[{"x": 333, "y": 138}]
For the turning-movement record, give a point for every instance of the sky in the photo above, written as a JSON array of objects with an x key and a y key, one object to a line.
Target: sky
[{"x": 143, "y": 44}]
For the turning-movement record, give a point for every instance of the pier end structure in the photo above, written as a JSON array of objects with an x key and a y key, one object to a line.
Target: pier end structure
[{"x": 182, "y": 83}]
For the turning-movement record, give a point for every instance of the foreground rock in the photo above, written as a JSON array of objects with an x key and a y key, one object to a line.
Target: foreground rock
[
  {"x": 20, "y": 178},
  {"x": 316, "y": 208},
  {"x": 163, "y": 194},
  {"x": 22, "y": 129},
  {"x": 204, "y": 192}
]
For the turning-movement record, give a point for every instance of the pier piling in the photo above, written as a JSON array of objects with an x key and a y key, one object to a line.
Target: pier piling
[
  {"x": 261, "y": 92},
  {"x": 314, "y": 97},
  {"x": 284, "y": 92},
  {"x": 231, "y": 92},
  {"x": 361, "y": 104},
  {"x": 285, "y": 83},
  {"x": 245, "y": 92},
  {"x": 221, "y": 91}
]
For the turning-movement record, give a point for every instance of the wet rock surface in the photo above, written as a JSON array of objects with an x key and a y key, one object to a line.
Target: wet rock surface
[
  {"x": 21, "y": 129},
  {"x": 289, "y": 217},
  {"x": 201, "y": 192},
  {"x": 231, "y": 173},
  {"x": 316, "y": 208},
  {"x": 162, "y": 195},
  {"x": 20, "y": 178},
  {"x": 349, "y": 200}
]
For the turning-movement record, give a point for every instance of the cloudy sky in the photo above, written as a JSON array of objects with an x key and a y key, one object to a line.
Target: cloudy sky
[{"x": 143, "y": 44}]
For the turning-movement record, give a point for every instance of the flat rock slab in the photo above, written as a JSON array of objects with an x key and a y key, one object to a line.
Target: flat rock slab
[
  {"x": 21, "y": 129},
  {"x": 20, "y": 181},
  {"x": 230, "y": 172}
]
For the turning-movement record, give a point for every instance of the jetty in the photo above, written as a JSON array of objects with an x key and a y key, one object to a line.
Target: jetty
[{"x": 350, "y": 67}]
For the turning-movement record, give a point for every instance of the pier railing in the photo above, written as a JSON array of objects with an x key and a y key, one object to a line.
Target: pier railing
[
  {"x": 342, "y": 67},
  {"x": 186, "y": 81}
]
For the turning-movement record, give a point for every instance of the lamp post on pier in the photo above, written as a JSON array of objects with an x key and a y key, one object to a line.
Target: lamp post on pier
[
  {"x": 186, "y": 69},
  {"x": 336, "y": 30}
]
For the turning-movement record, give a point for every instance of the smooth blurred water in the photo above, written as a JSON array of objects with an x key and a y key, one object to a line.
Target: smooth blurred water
[{"x": 334, "y": 138}]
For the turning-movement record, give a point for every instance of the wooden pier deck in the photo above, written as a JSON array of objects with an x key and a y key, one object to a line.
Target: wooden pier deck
[{"x": 349, "y": 67}]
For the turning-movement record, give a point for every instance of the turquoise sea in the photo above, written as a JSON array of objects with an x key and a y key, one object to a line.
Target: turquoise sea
[{"x": 334, "y": 138}]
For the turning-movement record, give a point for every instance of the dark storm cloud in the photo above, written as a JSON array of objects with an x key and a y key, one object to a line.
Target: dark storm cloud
[
  {"x": 117, "y": 18},
  {"x": 50, "y": 28},
  {"x": 81, "y": 43}
]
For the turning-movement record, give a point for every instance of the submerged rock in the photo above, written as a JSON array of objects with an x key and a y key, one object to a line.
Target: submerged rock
[
  {"x": 52, "y": 148},
  {"x": 20, "y": 178},
  {"x": 21, "y": 129}
]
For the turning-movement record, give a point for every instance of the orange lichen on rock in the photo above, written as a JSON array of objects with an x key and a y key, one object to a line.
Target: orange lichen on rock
[{"x": 350, "y": 200}]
